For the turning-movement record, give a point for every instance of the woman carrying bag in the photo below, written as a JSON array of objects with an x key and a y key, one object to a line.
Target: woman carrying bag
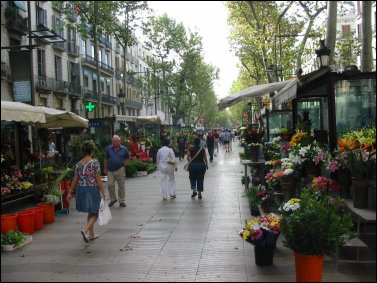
[
  {"x": 166, "y": 166},
  {"x": 197, "y": 168},
  {"x": 89, "y": 191}
]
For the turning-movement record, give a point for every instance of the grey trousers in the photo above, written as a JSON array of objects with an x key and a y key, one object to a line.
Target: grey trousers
[{"x": 119, "y": 177}]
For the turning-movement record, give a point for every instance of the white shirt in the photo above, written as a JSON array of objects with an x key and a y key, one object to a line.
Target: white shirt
[{"x": 163, "y": 156}]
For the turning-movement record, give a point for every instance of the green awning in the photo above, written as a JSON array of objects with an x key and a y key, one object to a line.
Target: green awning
[{"x": 20, "y": 5}]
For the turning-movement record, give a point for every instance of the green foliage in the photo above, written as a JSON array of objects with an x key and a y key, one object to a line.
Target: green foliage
[
  {"x": 134, "y": 166},
  {"x": 53, "y": 193},
  {"x": 12, "y": 238},
  {"x": 318, "y": 225},
  {"x": 251, "y": 194}
]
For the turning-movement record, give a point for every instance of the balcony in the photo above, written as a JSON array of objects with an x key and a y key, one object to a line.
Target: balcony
[
  {"x": 90, "y": 94},
  {"x": 17, "y": 24},
  {"x": 46, "y": 84},
  {"x": 74, "y": 91},
  {"x": 60, "y": 46},
  {"x": 73, "y": 49},
  {"x": 106, "y": 68},
  {"x": 109, "y": 99},
  {"x": 133, "y": 104}
]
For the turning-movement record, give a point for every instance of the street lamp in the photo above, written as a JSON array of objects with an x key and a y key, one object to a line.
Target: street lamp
[
  {"x": 275, "y": 71},
  {"x": 323, "y": 54}
]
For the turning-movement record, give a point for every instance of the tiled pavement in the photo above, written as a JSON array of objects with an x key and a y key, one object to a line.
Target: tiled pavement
[{"x": 180, "y": 239}]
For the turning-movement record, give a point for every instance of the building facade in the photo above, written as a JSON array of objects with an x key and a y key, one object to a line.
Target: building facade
[{"x": 63, "y": 74}]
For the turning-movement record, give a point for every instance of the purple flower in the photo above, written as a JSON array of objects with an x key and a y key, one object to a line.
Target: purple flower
[{"x": 333, "y": 166}]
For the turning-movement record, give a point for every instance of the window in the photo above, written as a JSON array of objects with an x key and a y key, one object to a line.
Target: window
[
  {"x": 58, "y": 25},
  {"x": 83, "y": 47},
  {"x": 58, "y": 68},
  {"x": 99, "y": 56},
  {"x": 42, "y": 17},
  {"x": 345, "y": 30},
  {"x": 41, "y": 62}
]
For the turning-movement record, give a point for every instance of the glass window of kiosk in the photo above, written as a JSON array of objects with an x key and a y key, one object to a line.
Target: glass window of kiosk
[
  {"x": 355, "y": 104},
  {"x": 318, "y": 113},
  {"x": 278, "y": 119}
]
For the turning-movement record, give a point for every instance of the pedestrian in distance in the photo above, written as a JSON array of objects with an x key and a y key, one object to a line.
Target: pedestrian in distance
[
  {"x": 210, "y": 143},
  {"x": 181, "y": 141},
  {"x": 197, "y": 168},
  {"x": 90, "y": 189},
  {"x": 216, "y": 136},
  {"x": 166, "y": 166},
  {"x": 116, "y": 158},
  {"x": 226, "y": 140}
]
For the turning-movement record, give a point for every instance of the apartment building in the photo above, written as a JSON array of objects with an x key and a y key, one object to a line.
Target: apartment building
[{"x": 63, "y": 74}]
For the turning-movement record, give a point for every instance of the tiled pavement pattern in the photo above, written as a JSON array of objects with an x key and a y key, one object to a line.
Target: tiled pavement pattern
[{"x": 177, "y": 240}]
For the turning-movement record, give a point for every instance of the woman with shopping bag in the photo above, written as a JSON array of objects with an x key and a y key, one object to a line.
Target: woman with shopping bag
[{"x": 89, "y": 191}]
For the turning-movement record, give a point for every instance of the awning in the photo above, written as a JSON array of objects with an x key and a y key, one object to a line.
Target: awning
[
  {"x": 20, "y": 5},
  {"x": 43, "y": 117},
  {"x": 60, "y": 118},
  {"x": 286, "y": 93},
  {"x": 21, "y": 112},
  {"x": 250, "y": 92},
  {"x": 153, "y": 119},
  {"x": 125, "y": 118}
]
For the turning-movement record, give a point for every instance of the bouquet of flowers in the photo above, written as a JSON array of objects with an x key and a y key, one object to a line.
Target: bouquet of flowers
[
  {"x": 262, "y": 230},
  {"x": 359, "y": 149}
]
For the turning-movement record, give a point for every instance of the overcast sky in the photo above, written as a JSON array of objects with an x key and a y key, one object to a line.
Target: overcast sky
[{"x": 208, "y": 18}]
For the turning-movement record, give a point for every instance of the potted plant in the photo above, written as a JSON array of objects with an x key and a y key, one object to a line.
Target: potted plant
[
  {"x": 13, "y": 240},
  {"x": 315, "y": 225},
  {"x": 262, "y": 232},
  {"x": 359, "y": 147}
]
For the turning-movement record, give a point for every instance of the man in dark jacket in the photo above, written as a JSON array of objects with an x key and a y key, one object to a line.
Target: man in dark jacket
[{"x": 210, "y": 142}]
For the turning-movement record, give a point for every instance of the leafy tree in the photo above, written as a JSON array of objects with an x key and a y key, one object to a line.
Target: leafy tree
[{"x": 124, "y": 30}]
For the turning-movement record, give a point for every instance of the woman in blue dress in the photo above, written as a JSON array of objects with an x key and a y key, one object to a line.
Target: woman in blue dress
[{"x": 89, "y": 189}]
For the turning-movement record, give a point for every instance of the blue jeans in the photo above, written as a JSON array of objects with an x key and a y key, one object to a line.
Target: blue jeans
[{"x": 196, "y": 175}]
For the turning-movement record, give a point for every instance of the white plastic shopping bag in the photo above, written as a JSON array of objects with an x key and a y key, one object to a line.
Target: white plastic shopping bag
[{"x": 104, "y": 214}]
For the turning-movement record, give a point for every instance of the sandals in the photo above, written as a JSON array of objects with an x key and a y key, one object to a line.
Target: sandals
[
  {"x": 84, "y": 237},
  {"x": 94, "y": 237},
  {"x": 194, "y": 193},
  {"x": 200, "y": 196}
]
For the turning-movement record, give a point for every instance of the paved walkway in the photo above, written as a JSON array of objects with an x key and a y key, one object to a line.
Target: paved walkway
[{"x": 180, "y": 239}]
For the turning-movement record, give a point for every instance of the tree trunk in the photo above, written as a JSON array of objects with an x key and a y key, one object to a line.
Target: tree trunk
[
  {"x": 331, "y": 28},
  {"x": 366, "y": 49}
]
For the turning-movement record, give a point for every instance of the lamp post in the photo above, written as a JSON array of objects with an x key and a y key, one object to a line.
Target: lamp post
[{"x": 323, "y": 54}]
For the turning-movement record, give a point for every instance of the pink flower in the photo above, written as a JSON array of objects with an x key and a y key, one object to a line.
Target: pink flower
[{"x": 333, "y": 166}]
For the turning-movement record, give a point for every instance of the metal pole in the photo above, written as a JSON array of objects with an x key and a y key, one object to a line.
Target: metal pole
[{"x": 32, "y": 98}]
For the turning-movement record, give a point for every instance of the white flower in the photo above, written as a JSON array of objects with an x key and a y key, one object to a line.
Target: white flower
[
  {"x": 291, "y": 207},
  {"x": 288, "y": 172}
]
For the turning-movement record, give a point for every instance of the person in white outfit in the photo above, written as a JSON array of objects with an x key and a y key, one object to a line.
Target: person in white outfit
[{"x": 165, "y": 156}]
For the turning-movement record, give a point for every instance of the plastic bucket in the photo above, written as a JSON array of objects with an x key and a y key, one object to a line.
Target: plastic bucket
[
  {"x": 48, "y": 212},
  {"x": 25, "y": 220},
  {"x": 8, "y": 222},
  {"x": 38, "y": 217},
  {"x": 309, "y": 268}
]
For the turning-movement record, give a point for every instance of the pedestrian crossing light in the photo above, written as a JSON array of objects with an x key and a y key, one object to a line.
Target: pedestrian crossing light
[{"x": 90, "y": 107}]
